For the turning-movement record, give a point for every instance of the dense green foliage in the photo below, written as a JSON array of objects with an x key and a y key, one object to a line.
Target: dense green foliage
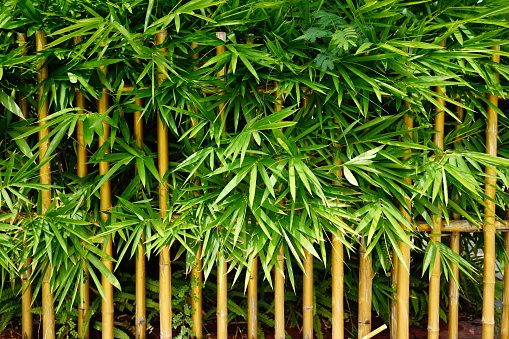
[{"x": 258, "y": 178}]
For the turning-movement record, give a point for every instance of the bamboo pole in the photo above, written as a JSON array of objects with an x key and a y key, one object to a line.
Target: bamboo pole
[
  {"x": 26, "y": 298},
  {"x": 403, "y": 270},
  {"x": 488, "y": 309},
  {"x": 279, "y": 276},
  {"x": 307, "y": 280},
  {"x": 141, "y": 286},
  {"x": 107, "y": 305},
  {"x": 365, "y": 290},
  {"x": 48, "y": 315},
  {"x": 454, "y": 244},
  {"x": 434, "y": 283},
  {"x": 222, "y": 277},
  {"x": 164, "y": 256},
  {"x": 337, "y": 266},
  {"x": 308, "y": 297},
  {"x": 252, "y": 287},
  {"x": 84, "y": 304},
  {"x": 504, "y": 326},
  {"x": 196, "y": 270},
  {"x": 252, "y": 301}
]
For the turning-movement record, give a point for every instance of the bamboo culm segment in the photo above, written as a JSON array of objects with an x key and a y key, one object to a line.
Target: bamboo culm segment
[
  {"x": 107, "y": 305},
  {"x": 83, "y": 330},
  {"x": 365, "y": 289},
  {"x": 26, "y": 298},
  {"x": 164, "y": 256},
  {"x": 337, "y": 265},
  {"x": 308, "y": 297},
  {"x": 454, "y": 244},
  {"x": 48, "y": 314},
  {"x": 141, "y": 288},
  {"x": 196, "y": 270},
  {"x": 252, "y": 301},
  {"x": 434, "y": 284},
  {"x": 488, "y": 310},
  {"x": 504, "y": 328},
  {"x": 222, "y": 277},
  {"x": 403, "y": 270}
]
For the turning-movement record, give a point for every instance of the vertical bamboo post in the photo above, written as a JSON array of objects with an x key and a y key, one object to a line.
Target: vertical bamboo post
[
  {"x": 403, "y": 270},
  {"x": 394, "y": 302},
  {"x": 222, "y": 277},
  {"x": 141, "y": 288},
  {"x": 107, "y": 305},
  {"x": 308, "y": 297},
  {"x": 307, "y": 280},
  {"x": 337, "y": 268},
  {"x": 365, "y": 289},
  {"x": 48, "y": 315},
  {"x": 164, "y": 256},
  {"x": 252, "y": 301},
  {"x": 196, "y": 270},
  {"x": 434, "y": 283},
  {"x": 279, "y": 275},
  {"x": 488, "y": 309},
  {"x": 26, "y": 298},
  {"x": 453, "y": 293},
  {"x": 504, "y": 326},
  {"x": 84, "y": 303},
  {"x": 252, "y": 287}
]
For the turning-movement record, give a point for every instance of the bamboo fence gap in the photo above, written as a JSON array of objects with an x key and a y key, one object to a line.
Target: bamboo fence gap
[
  {"x": 82, "y": 171},
  {"x": 337, "y": 263},
  {"x": 141, "y": 285},
  {"x": 365, "y": 289},
  {"x": 434, "y": 283},
  {"x": 48, "y": 314},
  {"x": 454, "y": 244},
  {"x": 222, "y": 275},
  {"x": 107, "y": 305},
  {"x": 488, "y": 309},
  {"x": 196, "y": 270},
  {"x": 164, "y": 256}
]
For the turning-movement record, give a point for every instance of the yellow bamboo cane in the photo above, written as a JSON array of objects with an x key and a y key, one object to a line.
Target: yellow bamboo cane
[
  {"x": 222, "y": 277},
  {"x": 454, "y": 244},
  {"x": 403, "y": 270},
  {"x": 307, "y": 280},
  {"x": 252, "y": 301},
  {"x": 337, "y": 269},
  {"x": 279, "y": 276},
  {"x": 82, "y": 169},
  {"x": 164, "y": 256},
  {"x": 504, "y": 326},
  {"x": 26, "y": 298},
  {"x": 252, "y": 287},
  {"x": 488, "y": 309},
  {"x": 196, "y": 270},
  {"x": 308, "y": 297},
  {"x": 48, "y": 315},
  {"x": 107, "y": 305},
  {"x": 141, "y": 288},
  {"x": 434, "y": 283},
  {"x": 365, "y": 290}
]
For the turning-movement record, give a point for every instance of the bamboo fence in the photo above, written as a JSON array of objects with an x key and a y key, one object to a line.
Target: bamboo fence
[{"x": 400, "y": 309}]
